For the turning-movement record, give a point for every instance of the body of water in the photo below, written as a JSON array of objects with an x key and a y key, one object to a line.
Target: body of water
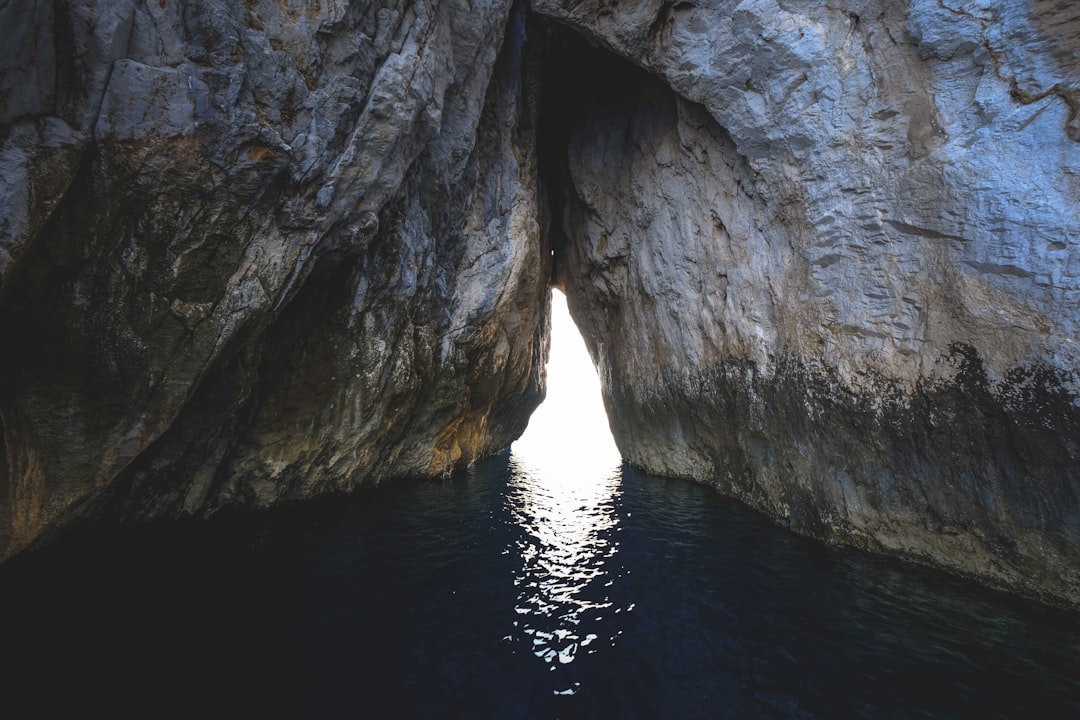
[{"x": 505, "y": 593}]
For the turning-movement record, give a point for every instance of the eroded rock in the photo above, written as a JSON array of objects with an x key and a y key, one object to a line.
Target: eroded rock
[
  {"x": 833, "y": 272},
  {"x": 825, "y": 255},
  {"x": 259, "y": 251}
]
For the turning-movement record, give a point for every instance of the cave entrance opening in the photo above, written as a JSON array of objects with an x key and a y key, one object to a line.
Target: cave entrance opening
[
  {"x": 565, "y": 476},
  {"x": 568, "y": 435}
]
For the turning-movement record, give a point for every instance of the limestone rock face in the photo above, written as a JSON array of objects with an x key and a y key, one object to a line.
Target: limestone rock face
[
  {"x": 826, "y": 255},
  {"x": 827, "y": 258},
  {"x": 255, "y": 251}
]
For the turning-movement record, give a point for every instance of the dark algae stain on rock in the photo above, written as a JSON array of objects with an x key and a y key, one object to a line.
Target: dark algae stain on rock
[{"x": 956, "y": 475}]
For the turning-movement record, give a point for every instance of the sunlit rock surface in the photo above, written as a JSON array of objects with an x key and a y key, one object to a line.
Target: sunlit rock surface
[
  {"x": 255, "y": 251},
  {"x": 827, "y": 259}
]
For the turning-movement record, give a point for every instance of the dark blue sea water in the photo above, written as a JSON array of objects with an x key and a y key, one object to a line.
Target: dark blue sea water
[{"x": 501, "y": 593}]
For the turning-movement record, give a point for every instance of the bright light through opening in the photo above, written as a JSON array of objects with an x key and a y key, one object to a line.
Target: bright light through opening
[
  {"x": 568, "y": 435},
  {"x": 563, "y": 492}
]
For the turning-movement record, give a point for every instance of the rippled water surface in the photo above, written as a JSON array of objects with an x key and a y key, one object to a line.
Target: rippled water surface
[{"x": 504, "y": 593}]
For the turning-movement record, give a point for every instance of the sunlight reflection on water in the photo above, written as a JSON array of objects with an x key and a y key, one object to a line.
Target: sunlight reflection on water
[{"x": 564, "y": 487}]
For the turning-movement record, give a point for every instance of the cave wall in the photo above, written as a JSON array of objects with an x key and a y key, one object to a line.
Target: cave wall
[
  {"x": 256, "y": 251},
  {"x": 826, "y": 259},
  {"x": 825, "y": 255}
]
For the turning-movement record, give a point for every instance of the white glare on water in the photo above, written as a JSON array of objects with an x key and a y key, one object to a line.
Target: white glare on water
[{"x": 563, "y": 490}]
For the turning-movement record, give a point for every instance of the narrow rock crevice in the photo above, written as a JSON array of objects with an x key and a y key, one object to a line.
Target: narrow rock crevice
[{"x": 579, "y": 79}]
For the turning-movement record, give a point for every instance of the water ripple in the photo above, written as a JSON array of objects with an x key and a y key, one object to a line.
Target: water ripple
[{"x": 568, "y": 551}]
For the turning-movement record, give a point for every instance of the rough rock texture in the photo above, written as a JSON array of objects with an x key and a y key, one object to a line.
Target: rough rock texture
[
  {"x": 827, "y": 255},
  {"x": 828, "y": 258},
  {"x": 254, "y": 251}
]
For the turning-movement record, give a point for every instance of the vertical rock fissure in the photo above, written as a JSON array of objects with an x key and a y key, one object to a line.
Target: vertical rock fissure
[{"x": 577, "y": 79}]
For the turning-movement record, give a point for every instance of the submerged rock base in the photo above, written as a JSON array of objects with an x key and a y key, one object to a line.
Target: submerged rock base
[{"x": 958, "y": 474}]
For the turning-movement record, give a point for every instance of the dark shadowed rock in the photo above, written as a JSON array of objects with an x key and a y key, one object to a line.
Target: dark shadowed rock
[{"x": 257, "y": 251}]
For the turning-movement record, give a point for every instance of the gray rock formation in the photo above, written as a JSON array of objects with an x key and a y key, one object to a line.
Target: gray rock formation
[
  {"x": 255, "y": 251},
  {"x": 828, "y": 261},
  {"x": 827, "y": 256}
]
